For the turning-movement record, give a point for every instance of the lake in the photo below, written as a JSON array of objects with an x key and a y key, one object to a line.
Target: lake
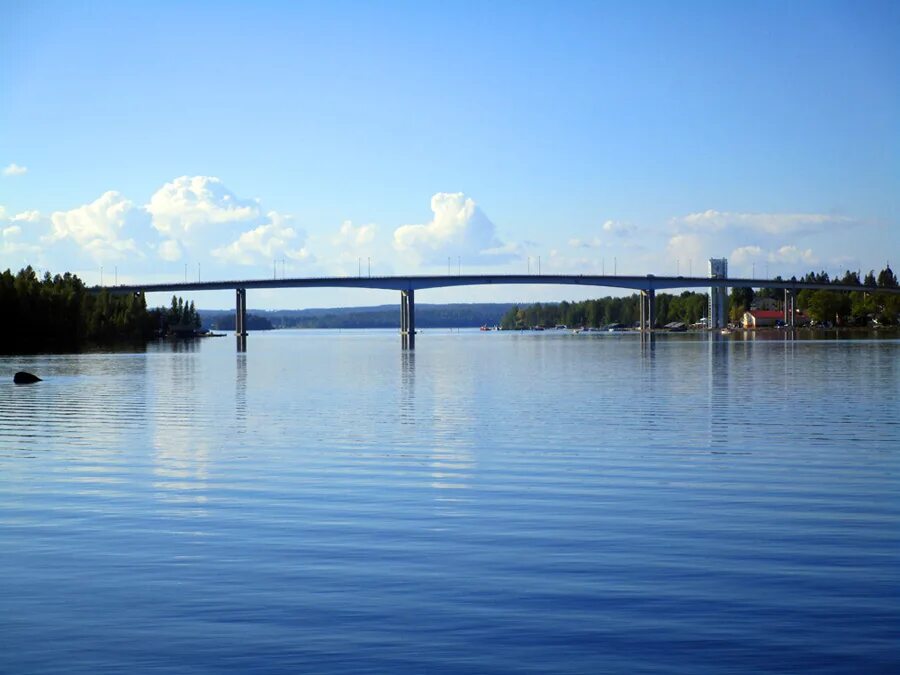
[{"x": 492, "y": 503}]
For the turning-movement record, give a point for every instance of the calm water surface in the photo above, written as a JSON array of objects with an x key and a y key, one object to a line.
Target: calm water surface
[{"x": 492, "y": 503}]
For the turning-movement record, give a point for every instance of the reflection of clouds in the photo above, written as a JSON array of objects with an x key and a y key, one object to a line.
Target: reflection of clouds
[
  {"x": 181, "y": 451},
  {"x": 181, "y": 463},
  {"x": 452, "y": 461},
  {"x": 451, "y": 469},
  {"x": 435, "y": 413}
]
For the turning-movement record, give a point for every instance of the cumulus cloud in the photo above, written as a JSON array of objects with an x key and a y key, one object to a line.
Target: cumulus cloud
[
  {"x": 770, "y": 223},
  {"x": 98, "y": 227},
  {"x": 458, "y": 228},
  {"x": 10, "y": 243},
  {"x": 618, "y": 228},
  {"x": 744, "y": 254},
  {"x": 189, "y": 203},
  {"x": 792, "y": 254},
  {"x": 169, "y": 250},
  {"x": 14, "y": 170},
  {"x": 687, "y": 247},
  {"x": 27, "y": 217},
  {"x": 354, "y": 237},
  {"x": 266, "y": 242}
]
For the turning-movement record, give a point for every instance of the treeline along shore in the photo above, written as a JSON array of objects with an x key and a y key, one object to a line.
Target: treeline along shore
[
  {"x": 57, "y": 314},
  {"x": 838, "y": 308}
]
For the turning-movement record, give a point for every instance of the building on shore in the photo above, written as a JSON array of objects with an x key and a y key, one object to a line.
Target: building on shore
[{"x": 763, "y": 318}]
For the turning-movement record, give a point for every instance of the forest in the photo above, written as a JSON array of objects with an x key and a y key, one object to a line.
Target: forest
[
  {"x": 839, "y": 308},
  {"x": 57, "y": 314},
  {"x": 686, "y": 308}
]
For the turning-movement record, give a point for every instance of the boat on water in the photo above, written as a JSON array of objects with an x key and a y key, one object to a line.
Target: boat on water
[{"x": 486, "y": 328}]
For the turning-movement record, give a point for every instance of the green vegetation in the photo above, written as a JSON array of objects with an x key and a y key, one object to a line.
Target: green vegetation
[
  {"x": 55, "y": 314},
  {"x": 181, "y": 317},
  {"x": 686, "y": 308},
  {"x": 849, "y": 308},
  {"x": 839, "y": 308}
]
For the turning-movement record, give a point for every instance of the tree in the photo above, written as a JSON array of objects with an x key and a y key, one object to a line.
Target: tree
[
  {"x": 830, "y": 306},
  {"x": 739, "y": 302},
  {"x": 56, "y": 313},
  {"x": 887, "y": 278}
]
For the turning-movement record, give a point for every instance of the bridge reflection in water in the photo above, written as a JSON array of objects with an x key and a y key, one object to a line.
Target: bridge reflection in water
[{"x": 408, "y": 285}]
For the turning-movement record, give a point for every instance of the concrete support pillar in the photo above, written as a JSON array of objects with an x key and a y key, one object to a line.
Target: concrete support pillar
[
  {"x": 790, "y": 308},
  {"x": 408, "y": 319},
  {"x": 787, "y": 307},
  {"x": 240, "y": 318},
  {"x": 651, "y": 309},
  {"x": 643, "y": 300}
]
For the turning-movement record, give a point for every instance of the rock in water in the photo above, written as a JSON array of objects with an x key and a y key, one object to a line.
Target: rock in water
[{"x": 25, "y": 378}]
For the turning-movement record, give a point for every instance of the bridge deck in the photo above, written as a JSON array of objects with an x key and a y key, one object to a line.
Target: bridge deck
[{"x": 413, "y": 283}]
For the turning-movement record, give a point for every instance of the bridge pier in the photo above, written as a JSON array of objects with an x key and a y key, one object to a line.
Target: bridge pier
[
  {"x": 408, "y": 319},
  {"x": 648, "y": 310},
  {"x": 240, "y": 318},
  {"x": 643, "y": 319},
  {"x": 790, "y": 312}
]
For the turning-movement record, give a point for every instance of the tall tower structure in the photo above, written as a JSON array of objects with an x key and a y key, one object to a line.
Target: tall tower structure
[{"x": 718, "y": 296}]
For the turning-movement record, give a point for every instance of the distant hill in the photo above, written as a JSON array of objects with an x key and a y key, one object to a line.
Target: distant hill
[
  {"x": 457, "y": 315},
  {"x": 225, "y": 321}
]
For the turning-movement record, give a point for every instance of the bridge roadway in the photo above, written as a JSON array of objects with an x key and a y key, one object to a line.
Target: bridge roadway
[{"x": 408, "y": 285}]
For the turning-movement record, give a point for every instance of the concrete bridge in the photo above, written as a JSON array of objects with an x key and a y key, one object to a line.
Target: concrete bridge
[{"x": 408, "y": 285}]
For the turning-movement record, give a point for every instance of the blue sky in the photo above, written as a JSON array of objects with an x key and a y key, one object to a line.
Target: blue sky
[{"x": 147, "y": 137}]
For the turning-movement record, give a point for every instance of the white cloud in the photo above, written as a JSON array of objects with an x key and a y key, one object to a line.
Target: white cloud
[
  {"x": 458, "y": 228},
  {"x": 169, "y": 250},
  {"x": 14, "y": 170},
  {"x": 354, "y": 237},
  {"x": 618, "y": 228},
  {"x": 745, "y": 254},
  {"x": 10, "y": 244},
  {"x": 595, "y": 242},
  {"x": 190, "y": 203},
  {"x": 97, "y": 227},
  {"x": 687, "y": 247},
  {"x": 770, "y": 223},
  {"x": 265, "y": 243},
  {"x": 792, "y": 254},
  {"x": 27, "y": 217}
]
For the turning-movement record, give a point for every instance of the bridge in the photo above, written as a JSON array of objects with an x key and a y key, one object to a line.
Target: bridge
[{"x": 408, "y": 285}]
